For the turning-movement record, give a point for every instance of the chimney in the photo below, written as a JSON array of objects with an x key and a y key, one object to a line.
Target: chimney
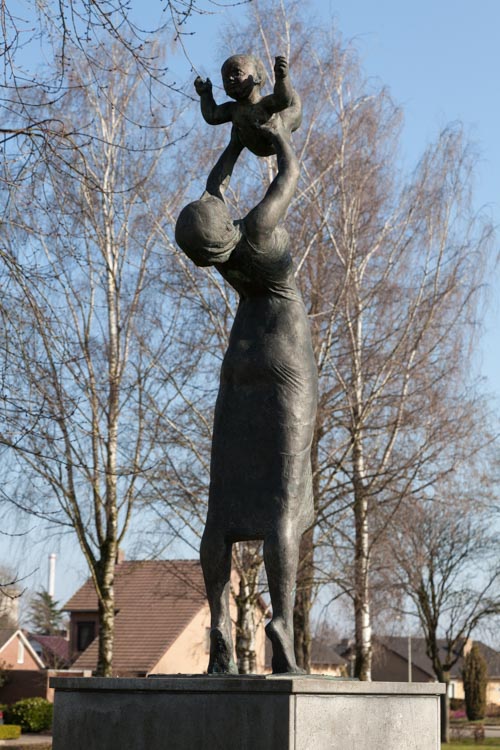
[
  {"x": 52, "y": 574},
  {"x": 120, "y": 556}
]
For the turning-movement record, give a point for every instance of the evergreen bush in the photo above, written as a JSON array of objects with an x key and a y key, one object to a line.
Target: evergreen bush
[
  {"x": 33, "y": 714},
  {"x": 475, "y": 677}
]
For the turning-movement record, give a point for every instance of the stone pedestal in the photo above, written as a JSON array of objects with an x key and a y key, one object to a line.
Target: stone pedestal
[{"x": 244, "y": 713}]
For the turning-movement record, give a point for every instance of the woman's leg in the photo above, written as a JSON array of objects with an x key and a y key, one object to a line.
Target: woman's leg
[
  {"x": 215, "y": 554},
  {"x": 281, "y": 555}
]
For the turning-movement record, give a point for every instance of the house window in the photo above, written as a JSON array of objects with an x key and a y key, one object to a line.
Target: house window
[
  {"x": 85, "y": 634},
  {"x": 20, "y": 652}
]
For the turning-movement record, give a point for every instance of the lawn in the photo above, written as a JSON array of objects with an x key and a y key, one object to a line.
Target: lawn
[{"x": 492, "y": 743}]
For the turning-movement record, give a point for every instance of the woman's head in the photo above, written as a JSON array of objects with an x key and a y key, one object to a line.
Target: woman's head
[{"x": 205, "y": 232}]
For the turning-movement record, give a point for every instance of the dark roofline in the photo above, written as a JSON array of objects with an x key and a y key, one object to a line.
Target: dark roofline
[{"x": 490, "y": 655}]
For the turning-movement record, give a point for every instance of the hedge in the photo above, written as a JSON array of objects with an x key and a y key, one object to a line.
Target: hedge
[
  {"x": 10, "y": 731},
  {"x": 33, "y": 714}
]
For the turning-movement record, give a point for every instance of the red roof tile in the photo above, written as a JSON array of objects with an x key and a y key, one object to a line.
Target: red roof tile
[{"x": 155, "y": 601}]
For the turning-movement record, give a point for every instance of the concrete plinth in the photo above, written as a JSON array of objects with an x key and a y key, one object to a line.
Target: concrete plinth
[{"x": 244, "y": 713}]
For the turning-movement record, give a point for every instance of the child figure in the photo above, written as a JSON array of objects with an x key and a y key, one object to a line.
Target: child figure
[{"x": 243, "y": 77}]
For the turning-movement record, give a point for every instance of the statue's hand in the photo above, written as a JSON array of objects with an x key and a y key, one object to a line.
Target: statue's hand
[
  {"x": 280, "y": 67},
  {"x": 201, "y": 86}
]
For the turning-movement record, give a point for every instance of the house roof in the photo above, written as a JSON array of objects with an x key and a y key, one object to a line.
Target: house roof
[
  {"x": 325, "y": 653},
  {"x": 54, "y": 649},
  {"x": 8, "y": 634},
  {"x": 155, "y": 601},
  {"x": 399, "y": 645}
]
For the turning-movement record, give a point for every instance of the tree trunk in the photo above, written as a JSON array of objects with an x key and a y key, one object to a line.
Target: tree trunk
[
  {"x": 362, "y": 625},
  {"x": 362, "y": 620},
  {"x": 444, "y": 703},
  {"x": 106, "y": 609},
  {"x": 246, "y": 655},
  {"x": 445, "y": 716}
]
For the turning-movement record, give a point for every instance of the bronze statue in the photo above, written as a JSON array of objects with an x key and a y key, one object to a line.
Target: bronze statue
[{"x": 260, "y": 484}]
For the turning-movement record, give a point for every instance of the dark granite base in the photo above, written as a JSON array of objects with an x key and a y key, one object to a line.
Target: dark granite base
[{"x": 244, "y": 713}]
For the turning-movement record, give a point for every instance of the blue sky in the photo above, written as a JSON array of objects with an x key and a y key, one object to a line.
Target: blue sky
[{"x": 441, "y": 62}]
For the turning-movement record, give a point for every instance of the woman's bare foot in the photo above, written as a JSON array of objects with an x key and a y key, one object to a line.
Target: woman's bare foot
[
  {"x": 283, "y": 652},
  {"x": 221, "y": 654}
]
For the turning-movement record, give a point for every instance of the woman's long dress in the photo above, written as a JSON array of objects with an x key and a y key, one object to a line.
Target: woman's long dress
[{"x": 266, "y": 406}]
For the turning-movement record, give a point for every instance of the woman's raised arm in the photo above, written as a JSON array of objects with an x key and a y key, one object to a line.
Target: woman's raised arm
[
  {"x": 263, "y": 219},
  {"x": 218, "y": 179}
]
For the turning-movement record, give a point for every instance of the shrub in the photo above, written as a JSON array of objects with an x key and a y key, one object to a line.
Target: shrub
[
  {"x": 457, "y": 704},
  {"x": 9, "y": 731},
  {"x": 33, "y": 714},
  {"x": 475, "y": 677}
]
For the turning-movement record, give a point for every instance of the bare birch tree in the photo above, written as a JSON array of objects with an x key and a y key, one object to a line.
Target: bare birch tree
[{"x": 86, "y": 275}]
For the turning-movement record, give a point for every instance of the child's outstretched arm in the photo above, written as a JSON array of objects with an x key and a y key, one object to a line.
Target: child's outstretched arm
[
  {"x": 283, "y": 95},
  {"x": 214, "y": 114}
]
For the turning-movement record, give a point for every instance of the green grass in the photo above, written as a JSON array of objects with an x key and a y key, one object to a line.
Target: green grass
[{"x": 492, "y": 742}]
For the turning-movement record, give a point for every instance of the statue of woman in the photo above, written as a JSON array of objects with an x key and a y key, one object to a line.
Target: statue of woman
[{"x": 260, "y": 482}]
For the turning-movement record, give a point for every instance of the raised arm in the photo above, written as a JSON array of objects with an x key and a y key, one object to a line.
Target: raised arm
[
  {"x": 213, "y": 114},
  {"x": 283, "y": 93},
  {"x": 262, "y": 220},
  {"x": 218, "y": 179}
]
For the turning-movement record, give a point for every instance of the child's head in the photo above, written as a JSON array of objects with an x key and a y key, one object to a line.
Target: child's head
[{"x": 240, "y": 74}]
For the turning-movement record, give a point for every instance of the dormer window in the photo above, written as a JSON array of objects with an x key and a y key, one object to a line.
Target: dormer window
[{"x": 85, "y": 634}]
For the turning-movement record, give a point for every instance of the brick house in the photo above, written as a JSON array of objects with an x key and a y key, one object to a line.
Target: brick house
[
  {"x": 390, "y": 663},
  {"x": 22, "y": 672},
  {"x": 162, "y": 620},
  {"x": 16, "y": 652}
]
